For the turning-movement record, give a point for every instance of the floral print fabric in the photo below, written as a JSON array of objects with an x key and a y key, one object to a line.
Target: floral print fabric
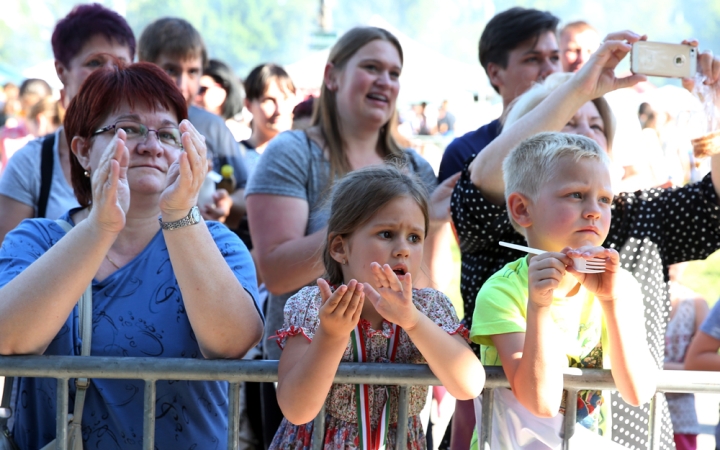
[{"x": 302, "y": 318}]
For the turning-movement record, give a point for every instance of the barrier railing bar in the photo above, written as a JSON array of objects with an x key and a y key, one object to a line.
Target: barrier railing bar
[
  {"x": 570, "y": 417},
  {"x": 655, "y": 425},
  {"x": 402, "y": 423},
  {"x": 151, "y": 369},
  {"x": 61, "y": 420},
  {"x": 234, "y": 416},
  {"x": 319, "y": 430},
  {"x": 149, "y": 416},
  {"x": 348, "y": 373},
  {"x": 488, "y": 396}
]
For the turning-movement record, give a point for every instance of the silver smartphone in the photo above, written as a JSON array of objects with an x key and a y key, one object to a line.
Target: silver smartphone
[{"x": 663, "y": 60}]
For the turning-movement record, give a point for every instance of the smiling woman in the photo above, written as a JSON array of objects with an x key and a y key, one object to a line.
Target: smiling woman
[
  {"x": 351, "y": 129},
  {"x": 161, "y": 289}
]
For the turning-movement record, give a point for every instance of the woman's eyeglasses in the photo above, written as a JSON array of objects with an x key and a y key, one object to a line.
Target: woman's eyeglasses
[{"x": 137, "y": 132}]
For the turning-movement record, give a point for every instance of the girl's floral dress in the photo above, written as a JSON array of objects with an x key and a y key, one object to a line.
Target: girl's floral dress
[{"x": 341, "y": 430}]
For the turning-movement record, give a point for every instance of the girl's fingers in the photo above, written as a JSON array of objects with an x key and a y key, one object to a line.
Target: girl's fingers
[
  {"x": 392, "y": 278},
  {"x": 356, "y": 299},
  {"x": 380, "y": 277},
  {"x": 358, "y": 309},
  {"x": 335, "y": 298},
  {"x": 407, "y": 282},
  {"x": 344, "y": 301},
  {"x": 325, "y": 291}
]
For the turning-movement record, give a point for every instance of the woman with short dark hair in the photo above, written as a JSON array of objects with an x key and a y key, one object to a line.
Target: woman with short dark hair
[
  {"x": 165, "y": 283},
  {"x": 88, "y": 38}
]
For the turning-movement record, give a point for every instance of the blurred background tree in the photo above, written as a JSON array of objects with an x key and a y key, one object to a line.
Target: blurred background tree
[{"x": 248, "y": 32}]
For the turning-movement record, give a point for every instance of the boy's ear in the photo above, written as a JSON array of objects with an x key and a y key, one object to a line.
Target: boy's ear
[
  {"x": 518, "y": 205},
  {"x": 81, "y": 147},
  {"x": 338, "y": 249}
]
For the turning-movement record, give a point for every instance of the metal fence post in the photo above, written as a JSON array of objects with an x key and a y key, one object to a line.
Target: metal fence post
[
  {"x": 61, "y": 425},
  {"x": 402, "y": 423},
  {"x": 149, "y": 416},
  {"x": 486, "y": 422},
  {"x": 404, "y": 375},
  {"x": 570, "y": 417},
  {"x": 233, "y": 416},
  {"x": 655, "y": 422},
  {"x": 318, "y": 435}
]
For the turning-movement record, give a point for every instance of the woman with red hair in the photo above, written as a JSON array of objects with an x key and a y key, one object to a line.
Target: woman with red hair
[{"x": 165, "y": 283}]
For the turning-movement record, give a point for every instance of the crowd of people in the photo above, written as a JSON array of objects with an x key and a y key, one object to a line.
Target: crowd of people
[{"x": 313, "y": 236}]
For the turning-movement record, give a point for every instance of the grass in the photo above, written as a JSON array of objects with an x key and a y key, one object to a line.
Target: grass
[{"x": 704, "y": 277}]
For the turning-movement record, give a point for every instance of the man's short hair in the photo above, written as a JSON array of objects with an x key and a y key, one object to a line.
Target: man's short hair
[
  {"x": 84, "y": 22},
  {"x": 534, "y": 161},
  {"x": 172, "y": 37},
  {"x": 508, "y": 29},
  {"x": 577, "y": 26}
]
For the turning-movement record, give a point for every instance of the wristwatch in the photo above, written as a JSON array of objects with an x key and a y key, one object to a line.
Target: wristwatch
[{"x": 192, "y": 218}]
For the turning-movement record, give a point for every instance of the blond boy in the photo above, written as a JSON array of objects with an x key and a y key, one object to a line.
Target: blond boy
[{"x": 538, "y": 315}]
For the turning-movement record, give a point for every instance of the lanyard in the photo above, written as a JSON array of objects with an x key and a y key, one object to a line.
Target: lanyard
[{"x": 362, "y": 393}]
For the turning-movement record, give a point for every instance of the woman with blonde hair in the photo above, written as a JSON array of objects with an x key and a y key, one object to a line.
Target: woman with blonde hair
[
  {"x": 350, "y": 130},
  {"x": 651, "y": 228}
]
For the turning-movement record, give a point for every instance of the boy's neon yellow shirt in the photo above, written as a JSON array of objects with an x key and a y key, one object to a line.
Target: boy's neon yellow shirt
[{"x": 501, "y": 308}]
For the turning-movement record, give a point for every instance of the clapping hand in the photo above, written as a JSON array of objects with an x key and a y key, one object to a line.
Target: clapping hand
[
  {"x": 340, "y": 310},
  {"x": 393, "y": 297},
  {"x": 185, "y": 175},
  {"x": 604, "y": 284},
  {"x": 110, "y": 190}
]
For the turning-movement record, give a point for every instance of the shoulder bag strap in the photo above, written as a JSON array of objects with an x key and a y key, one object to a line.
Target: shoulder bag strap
[
  {"x": 85, "y": 313},
  {"x": 46, "y": 172}
]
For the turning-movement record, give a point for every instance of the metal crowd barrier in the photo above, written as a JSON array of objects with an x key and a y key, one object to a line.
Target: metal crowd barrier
[{"x": 64, "y": 368}]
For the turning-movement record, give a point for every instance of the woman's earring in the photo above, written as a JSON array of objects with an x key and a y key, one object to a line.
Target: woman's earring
[
  {"x": 344, "y": 262},
  {"x": 87, "y": 174}
]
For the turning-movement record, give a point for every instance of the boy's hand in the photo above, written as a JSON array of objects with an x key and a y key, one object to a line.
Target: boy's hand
[
  {"x": 600, "y": 284},
  {"x": 393, "y": 299},
  {"x": 340, "y": 310},
  {"x": 545, "y": 272}
]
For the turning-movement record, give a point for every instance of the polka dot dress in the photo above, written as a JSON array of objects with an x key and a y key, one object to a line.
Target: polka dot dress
[{"x": 651, "y": 230}]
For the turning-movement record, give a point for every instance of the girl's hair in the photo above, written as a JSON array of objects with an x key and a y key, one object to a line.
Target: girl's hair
[
  {"x": 326, "y": 112},
  {"x": 223, "y": 75},
  {"x": 259, "y": 79},
  {"x": 358, "y": 196}
]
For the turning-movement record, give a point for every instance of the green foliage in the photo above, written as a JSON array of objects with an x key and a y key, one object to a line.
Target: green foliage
[
  {"x": 704, "y": 277},
  {"x": 243, "y": 33}
]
